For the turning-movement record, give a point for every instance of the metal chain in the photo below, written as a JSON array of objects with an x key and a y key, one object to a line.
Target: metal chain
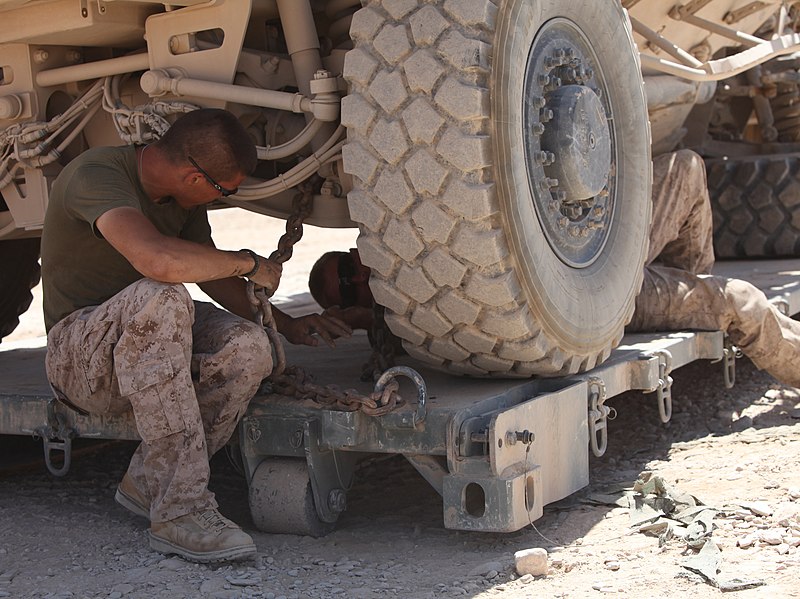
[
  {"x": 301, "y": 209},
  {"x": 292, "y": 380},
  {"x": 384, "y": 346},
  {"x": 296, "y": 382}
]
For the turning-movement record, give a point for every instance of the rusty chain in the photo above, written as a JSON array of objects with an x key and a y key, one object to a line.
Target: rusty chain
[
  {"x": 384, "y": 345},
  {"x": 292, "y": 380},
  {"x": 297, "y": 383}
]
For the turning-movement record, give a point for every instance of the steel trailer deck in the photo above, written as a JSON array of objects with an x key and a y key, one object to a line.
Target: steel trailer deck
[{"x": 496, "y": 450}]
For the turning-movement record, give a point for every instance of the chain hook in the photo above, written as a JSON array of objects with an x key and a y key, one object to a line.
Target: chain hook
[{"x": 416, "y": 378}]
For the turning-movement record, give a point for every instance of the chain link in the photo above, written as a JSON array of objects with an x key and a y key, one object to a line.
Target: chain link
[
  {"x": 292, "y": 380},
  {"x": 385, "y": 346},
  {"x": 297, "y": 383}
]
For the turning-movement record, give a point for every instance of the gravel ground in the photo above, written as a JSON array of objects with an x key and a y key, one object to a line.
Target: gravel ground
[{"x": 735, "y": 450}]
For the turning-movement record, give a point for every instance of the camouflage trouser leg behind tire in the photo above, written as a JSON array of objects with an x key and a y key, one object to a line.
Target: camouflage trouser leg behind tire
[
  {"x": 681, "y": 233},
  {"x": 187, "y": 382},
  {"x": 672, "y": 299},
  {"x": 683, "y": 297}
]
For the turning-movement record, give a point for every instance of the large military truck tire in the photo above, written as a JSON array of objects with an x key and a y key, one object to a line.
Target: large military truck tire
[
  {"x": 501, "y": 158},
  {"x": 19, "y": 273},
  {"x": 756, "y": 206}
]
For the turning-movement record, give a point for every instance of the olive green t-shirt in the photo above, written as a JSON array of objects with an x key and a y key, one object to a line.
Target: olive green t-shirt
[{"x": 79, "y": 267}]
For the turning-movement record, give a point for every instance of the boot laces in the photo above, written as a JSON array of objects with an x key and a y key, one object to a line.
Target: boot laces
[{"x": 213, "y": 520}]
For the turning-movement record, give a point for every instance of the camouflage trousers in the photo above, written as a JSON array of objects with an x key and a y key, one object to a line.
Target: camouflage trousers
[
  {"x": 186, "y": 369},
  {"x": 678, "y": 293}
]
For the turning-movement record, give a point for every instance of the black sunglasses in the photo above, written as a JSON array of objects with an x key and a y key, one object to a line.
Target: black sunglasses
[
  {"x": 346, "y": 270},
  {"x": 225, "y": 192}
]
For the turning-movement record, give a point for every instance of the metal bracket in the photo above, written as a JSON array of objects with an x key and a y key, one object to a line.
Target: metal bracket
[
  {"x": 56, "y": 436},
  {"x": 416, "y": 378},
  {"x": 664, "y": 389},
  {"x": 599, "y": 415},
  {"x": 330, "y": 473},
  {"x": 730, "y": 353}
]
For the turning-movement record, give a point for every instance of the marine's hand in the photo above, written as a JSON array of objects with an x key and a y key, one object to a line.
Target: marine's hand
[
  {"x": 309, "y": 329},
  {"x": 268, "y": 274}
]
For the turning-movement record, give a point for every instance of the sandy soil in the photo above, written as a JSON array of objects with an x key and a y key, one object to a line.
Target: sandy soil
[{"x": 735, "y": 450}]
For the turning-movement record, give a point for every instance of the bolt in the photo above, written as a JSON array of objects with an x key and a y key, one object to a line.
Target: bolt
[
  {"x": 562, "y": 222},
  {"x": 321, "y": 74},
  {"x": 544, "y": 80},
  {"x": 331, "y": 189},
  {"x": 538, "y": 101},
  {"x": 595, "y": 224},
  {"x": 573, "y": 211},
  {"x": 253, "y": 431},
  {"x": 337, "y": 501},
  {"x": 598, "y": 211},
  {"x": 545, "y": 158},
  {"x": 74, "y": 56},
  {"x": 574, "y": 231},
  {"x": 296, "y": 438},
  {"x": 537, "y": 129},
  {"x": 526, "y": 437},
  {"x": 545, "y": 115},
  {"x": 769, "y": 133},
  {"x": 40, "y": 56}
]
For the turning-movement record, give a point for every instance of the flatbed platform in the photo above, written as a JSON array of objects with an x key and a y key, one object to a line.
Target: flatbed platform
[
  {"x": 466, "y": 443},
  {"x": 22, "y": 363}
]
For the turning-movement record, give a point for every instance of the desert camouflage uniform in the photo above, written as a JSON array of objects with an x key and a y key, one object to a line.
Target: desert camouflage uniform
[
  {"x": 187, "y": 369},
  {"x": 679, "y": 294}
]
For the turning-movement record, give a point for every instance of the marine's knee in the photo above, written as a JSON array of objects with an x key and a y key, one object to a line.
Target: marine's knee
[
  {"x": 687, "y": 159},
  {"x": 744, "y": 296},
  {"x": 253, "y": 348},
  {"x": 172, "y": 298}
]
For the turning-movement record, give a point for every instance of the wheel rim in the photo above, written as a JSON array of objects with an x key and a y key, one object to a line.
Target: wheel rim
[{"x": 570, "y": 148}]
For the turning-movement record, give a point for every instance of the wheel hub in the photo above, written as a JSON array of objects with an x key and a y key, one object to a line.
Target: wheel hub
[
  {"x": 579, "y": 139},
  {"x": 569, "y": 142}
]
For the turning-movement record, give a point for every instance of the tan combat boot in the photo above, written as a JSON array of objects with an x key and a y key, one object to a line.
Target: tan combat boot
[
  {"x": 204, "y": 536},
  {"x": 129, "y": 497}
]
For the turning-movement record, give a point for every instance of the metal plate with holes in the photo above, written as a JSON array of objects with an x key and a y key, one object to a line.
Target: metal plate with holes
[{"x": 558, "y": 421}]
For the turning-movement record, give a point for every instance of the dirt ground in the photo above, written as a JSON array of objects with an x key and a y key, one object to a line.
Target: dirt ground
[{"x": 737, "y": 451}]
